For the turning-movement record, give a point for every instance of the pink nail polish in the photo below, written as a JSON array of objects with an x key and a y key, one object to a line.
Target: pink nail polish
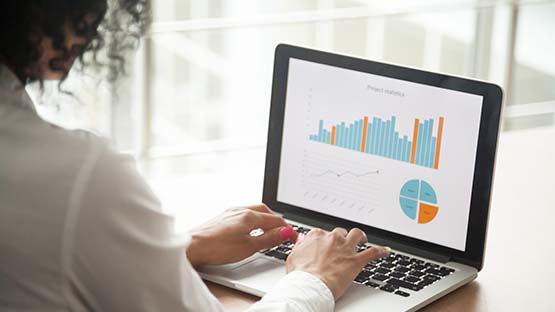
[{"x": 286, "y": 232}]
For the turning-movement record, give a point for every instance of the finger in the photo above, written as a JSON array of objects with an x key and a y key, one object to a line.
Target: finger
[
  {"x": 373, "y": 253},
  {"x": 315, "y": 232},
  {"x": 339, "y": 231},
  {"x": 260, "y": 208},
  {"x": 263, "y": 221},
  {"x": 356, "y": 236},
  {"x": 274, "y": 237}
]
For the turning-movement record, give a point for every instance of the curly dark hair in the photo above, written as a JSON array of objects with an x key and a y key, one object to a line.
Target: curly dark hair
[{"x": 109, "y": 27}]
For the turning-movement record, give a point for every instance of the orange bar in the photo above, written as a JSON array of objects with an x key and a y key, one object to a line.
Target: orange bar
[
  {"x": 333, "y": 135},
  {"x": 438, "y": 145},
  {"x": 414, "y": 141},
  {"x": 364, "y": 128}
]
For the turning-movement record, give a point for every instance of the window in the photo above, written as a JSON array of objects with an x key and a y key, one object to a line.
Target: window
[{"x": 195, "y": 108}]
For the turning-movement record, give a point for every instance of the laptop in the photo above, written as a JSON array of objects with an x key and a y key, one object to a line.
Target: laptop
[{"x": 404, "y": 154}]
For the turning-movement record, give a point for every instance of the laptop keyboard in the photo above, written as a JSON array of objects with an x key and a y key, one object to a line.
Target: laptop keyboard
[{"x": 395, "y": 273}]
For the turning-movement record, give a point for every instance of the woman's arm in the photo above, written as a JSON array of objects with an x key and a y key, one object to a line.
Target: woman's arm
[{"x": 123, "y": 254}]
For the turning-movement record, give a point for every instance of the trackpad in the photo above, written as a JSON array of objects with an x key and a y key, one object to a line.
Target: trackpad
[{"x": 261, "y": 273}]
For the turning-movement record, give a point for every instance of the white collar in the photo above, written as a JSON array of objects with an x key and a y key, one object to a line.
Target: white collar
[{"x": 12, "y": 91}]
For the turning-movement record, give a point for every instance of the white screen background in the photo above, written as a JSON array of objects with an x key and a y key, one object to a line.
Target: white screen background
[{"x": 317, "y": 91}]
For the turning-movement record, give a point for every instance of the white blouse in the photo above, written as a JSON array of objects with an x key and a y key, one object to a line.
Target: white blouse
[{"x": 80, "y": 230}]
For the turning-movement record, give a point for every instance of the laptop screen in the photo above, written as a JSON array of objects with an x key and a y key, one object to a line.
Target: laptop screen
[{"x": 388, "y": 153}]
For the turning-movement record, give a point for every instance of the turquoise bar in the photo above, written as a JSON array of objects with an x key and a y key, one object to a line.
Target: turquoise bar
[
  {"x": 358, "y": 141},
  {"x": 409, "y": 150},
  {"x": 348, "y": 137},
  {"x": 377, "y": 138},
  {"x": 392, "y": 137},
  {"x": 343, "y": 133},
  {"x": 401, "y": 150},
  {"x": 374, "y": 136},
  {"x": 352, "y": 134},
  {"x": 387, "y": 144},
  {"x": 419, "y": 143},
  {"x": 380, "y": 137},
  {"x": 399, "y": 146},
  {"x": 338, "y": 136},
  {"x": 355, "y": 135},
  {"x": 394, "y": 149},
  {"x": 368, "y": 138},
  {"x": 395, "y": 144},
  {"x": 427, "y": 142},
  {"x": 429, "y": 156},
  {"x": 430, "y": 145}
]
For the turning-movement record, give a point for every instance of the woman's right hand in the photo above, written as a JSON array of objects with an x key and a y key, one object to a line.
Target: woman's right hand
[{"x": 332, "y": 257}]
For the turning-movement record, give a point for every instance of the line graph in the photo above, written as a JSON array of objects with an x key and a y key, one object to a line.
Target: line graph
[
  {"x": 340, "y": 174},
  {"x": 331, "y": 183}
]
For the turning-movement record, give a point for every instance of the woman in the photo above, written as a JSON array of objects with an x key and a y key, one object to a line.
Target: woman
[{"x": 81, "y": 230}]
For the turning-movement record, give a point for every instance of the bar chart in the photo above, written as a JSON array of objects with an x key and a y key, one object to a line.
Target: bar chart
[{"x": 379, "y": 137}]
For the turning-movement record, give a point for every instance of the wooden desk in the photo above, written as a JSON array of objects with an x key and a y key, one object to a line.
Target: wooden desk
[{"x": 519, "y": 272}]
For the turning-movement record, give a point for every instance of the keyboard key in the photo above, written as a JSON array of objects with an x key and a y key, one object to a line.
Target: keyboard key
[
  {"x": 389, "y": 288},
  {"x": 387, "y": 265},
  {"x": 402, "y": 293},
  {"x": 401, "y": 269},
  {"x": 380, "y": 277},
  {"x": 403, "y": 262},
  {"x": 372, "y": 284},
  {"x": 437, "y": 272},
  {"x": 382, "y": 270},
  {"x": 418, "y": 267},
  {"x": 404, "y": 284},
  {"x": 369, "y": 267},
  {"x": 397, "y": 274},
  {"x": 277, "y": 254},
  {"x": 433, "y": 277},
  {"x": 363, "y": 276},
  {"x": 412, "y": 279},
  {"x": 417, "y": 273}
]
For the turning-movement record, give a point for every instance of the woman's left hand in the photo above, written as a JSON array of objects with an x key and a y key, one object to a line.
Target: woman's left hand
[{"x": 227, "y": 239}]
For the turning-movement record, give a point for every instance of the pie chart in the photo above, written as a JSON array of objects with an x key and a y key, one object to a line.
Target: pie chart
[{"x": 418, "y": 201}]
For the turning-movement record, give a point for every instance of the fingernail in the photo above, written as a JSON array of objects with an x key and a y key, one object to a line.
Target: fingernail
[
  {"x": 286, "y": 232},
  {"x": 385, "y": 251}
]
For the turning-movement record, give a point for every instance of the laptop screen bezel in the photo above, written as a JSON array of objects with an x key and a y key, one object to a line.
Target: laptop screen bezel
[{"x": 485, "y": 155}]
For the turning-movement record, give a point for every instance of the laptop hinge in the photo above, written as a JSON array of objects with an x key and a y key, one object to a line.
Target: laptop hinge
[{"x": 417, "y": 251}]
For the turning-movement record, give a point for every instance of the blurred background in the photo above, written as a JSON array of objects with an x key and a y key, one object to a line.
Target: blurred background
[{"x": 194, "y": 107}]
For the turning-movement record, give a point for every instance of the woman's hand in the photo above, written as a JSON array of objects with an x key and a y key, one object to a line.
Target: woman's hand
[
  {"x": 227, "y": 238},
  {"x": 331, "y": 256}
]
